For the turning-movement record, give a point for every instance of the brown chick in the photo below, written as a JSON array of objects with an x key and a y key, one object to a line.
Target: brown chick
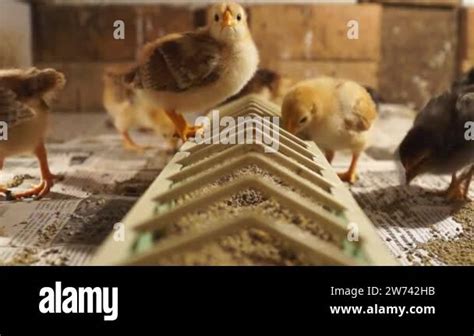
[
  {"x": 25, "y": 96},
  {"x": 198, "y": 70},
  {"x": 128, "y": 110},
  {"x": 337, "y": 114}
]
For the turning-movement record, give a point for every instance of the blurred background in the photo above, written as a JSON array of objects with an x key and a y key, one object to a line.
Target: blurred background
[{"x": 408, "y": 50}]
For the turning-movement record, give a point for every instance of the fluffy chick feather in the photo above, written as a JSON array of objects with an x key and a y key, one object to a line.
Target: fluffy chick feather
[
  {"x": 196, "y": 71},
  {"x": 25, "y": 96},
  {"x": 267, "y": 84},
  {"x": 466, "y": 81},
  {"x": 128, "y": 110},
  {"x": 337, "y": 114}
]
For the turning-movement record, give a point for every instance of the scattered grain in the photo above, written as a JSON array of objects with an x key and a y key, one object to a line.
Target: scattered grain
[
  {"x": 457, "y": 251},
  {"x": 240, "y": 203},
  {"x": 247, "y": 247}
]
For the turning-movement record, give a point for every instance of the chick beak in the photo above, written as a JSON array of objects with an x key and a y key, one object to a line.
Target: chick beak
[
  {"x": 409, "y": 176},
  {"x": 412, "y": 168},
  {"x": 288, "y": 125},
  {"x": 410, "y": 172},
  {"x": 228, "y": 19}
]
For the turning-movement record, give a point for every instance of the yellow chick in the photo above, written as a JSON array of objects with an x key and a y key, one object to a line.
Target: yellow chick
[
  {"x": 128, "y": 110},
  {"x": 25, "y": 96},
  {"x": 198, "y": 70},
  {"x": 337, "y": 114}
]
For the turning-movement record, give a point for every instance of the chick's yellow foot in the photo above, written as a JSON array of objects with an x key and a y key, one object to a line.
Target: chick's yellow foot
[
  {"x": 47, "y": 178},
  {"x": 38, "y": 191},
  {"x": 183, "y": 129},
  {"x": 189, "y": 132},
  {"x": 348, "y": 176}
]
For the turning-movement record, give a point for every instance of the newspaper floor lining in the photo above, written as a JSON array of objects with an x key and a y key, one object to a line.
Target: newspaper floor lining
[{"x": 102, "y": 181}]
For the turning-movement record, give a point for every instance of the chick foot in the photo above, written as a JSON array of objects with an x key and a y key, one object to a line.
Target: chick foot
[
  {"x": 466, "y": 183},
  {"x": 457, "y": 194},
  {"x": 47, "y": 178},
  {"x": 183, "y": 129},
  {"x": 38, "y": 191},
  {"x": 188, "y": 132},
  {"x": 458, "y": 189},
  {"x": 350, "y": 176},
  {"x": 451, "y": 189}
]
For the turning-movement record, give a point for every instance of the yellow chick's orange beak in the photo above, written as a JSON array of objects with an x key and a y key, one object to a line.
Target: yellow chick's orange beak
[{"x": 228, "y": 19}]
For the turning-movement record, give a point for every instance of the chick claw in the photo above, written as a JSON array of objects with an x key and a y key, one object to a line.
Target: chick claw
[
  {"x": 39, "y": 191},
  {"x": 458, "y": 190},
  {"x": 349, "y": 177},
  {"x": 457, "y": 195}
]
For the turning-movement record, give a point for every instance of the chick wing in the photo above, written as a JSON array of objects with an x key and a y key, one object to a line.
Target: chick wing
[
  {"x": 466, "y": 80},
  {"x": 357, "y": 105},
  {"x": 179, "y": 63},
  {"x": 33, "y": 83},
  {"x": 12, "y": 111},
  {"x": 443, "y": 120}
]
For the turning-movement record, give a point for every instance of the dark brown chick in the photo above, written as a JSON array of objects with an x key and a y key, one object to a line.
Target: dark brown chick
[{"x": 437, "y": 142}]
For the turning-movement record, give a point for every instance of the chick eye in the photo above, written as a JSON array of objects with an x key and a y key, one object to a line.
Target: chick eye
[
  {"x": 216, "y": 18},
  {"x": 239, "y": 17},
  {"x": 303, "y": 120}
]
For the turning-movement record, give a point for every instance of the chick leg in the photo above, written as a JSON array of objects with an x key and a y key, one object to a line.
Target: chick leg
[
  {"x": 183, "y": 129},
  {"x": 47, "y": 179},
  {"x": 451, "y": 188},
  {"x": 350, "y": 176},
  {"x": 330, "y": 155},
  {"x": 3, "y": 190},
  {"x": 457, "y": 189},
  {"x": 467, "y": 183},
  {"x": 129, "y": 144}
]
